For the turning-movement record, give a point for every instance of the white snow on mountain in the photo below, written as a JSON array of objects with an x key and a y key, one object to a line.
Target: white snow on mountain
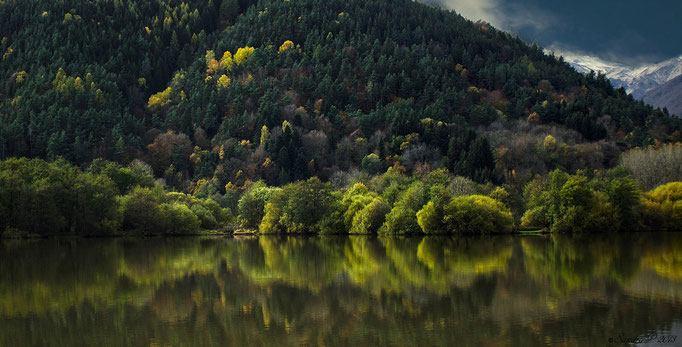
[{"x": 635, "y": 80}]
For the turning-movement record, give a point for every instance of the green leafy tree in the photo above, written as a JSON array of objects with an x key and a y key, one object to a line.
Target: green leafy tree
[
  {"x": 141, "y": 211},
  {"x": 431, "y": 218},
  {"x": 625, "y": 197},
  {"x": 477, "y": 214},
  {"x": 178, "y": 219},
  {"x": 403, "y": 217},
  {"x": 372, "y": 164},
  {"x": 299, "y": 207},
  {"x": 370, "y": 219},
  {"x": 252, "y": 204}
]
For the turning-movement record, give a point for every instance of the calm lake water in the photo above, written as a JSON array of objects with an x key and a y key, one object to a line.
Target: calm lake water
[{"x": 363, "y": 291}]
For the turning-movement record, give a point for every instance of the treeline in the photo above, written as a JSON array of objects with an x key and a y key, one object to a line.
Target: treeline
[
  {"x": 40, "y": 198},
  {"x": 218, "y": 92},
  {"x": 439, "y": 203}
]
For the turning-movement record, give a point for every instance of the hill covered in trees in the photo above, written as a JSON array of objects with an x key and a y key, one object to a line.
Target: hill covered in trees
[{"x": 215, "y": 95}]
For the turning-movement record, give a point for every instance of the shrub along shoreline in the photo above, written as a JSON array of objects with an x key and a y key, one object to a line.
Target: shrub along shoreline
[{"x": 45, "y": 199}]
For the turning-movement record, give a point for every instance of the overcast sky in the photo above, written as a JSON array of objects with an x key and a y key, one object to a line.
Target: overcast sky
[{"x": 631, "y": 32}]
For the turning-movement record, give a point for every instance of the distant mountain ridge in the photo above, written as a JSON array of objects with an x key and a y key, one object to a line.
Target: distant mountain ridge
[{"x": 636, "y": 81}]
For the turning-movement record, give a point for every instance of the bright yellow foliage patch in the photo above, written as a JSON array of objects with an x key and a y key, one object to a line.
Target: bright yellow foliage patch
[
  {"x": 224, "y": 81},
  {"x": 285, "y": 46},
  {"x": 226, "y": 61},
  {"x": 159, "y": 99},
  {"x": 242, "y": 55},
  {"x": 671, "y": 191}
]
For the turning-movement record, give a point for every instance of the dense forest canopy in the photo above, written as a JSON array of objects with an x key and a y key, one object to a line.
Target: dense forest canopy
[{"x": 216, "y": 94}]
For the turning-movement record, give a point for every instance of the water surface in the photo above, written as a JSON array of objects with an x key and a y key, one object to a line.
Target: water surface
[{"x": 502, "y": 290}]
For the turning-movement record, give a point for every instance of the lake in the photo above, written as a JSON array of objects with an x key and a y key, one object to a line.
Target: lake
[{"x": 342, "y": 290}]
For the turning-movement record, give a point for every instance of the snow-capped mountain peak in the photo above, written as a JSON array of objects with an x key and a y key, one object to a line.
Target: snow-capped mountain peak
[
  {"x": 661, "y": 72},
  {"x": 635, "y": 80}
]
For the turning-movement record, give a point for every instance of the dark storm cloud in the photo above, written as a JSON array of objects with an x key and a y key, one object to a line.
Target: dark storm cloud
[{"x": 626, "y": 31}]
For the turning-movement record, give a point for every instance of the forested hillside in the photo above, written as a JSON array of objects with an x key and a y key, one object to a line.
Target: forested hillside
[{"x": 217, "y": 94}]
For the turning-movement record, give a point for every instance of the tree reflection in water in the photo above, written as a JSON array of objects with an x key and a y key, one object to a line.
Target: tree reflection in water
[{"x": 523, "y": 290}]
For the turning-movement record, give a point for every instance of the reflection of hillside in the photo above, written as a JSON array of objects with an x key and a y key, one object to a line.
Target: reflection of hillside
[{"x": 338, "y": 290}]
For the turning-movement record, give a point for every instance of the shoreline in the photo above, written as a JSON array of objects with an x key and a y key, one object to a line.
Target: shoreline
[{"x": 251, "y": 233}]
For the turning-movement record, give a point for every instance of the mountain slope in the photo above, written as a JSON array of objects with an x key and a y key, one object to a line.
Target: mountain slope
[
  {"x": 292, "y": 89},
  {"x": 667, "y": 95}
]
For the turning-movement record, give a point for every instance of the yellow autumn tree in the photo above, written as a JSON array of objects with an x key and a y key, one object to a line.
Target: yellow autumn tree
[
  {"x": 286, "y": 126},
  {"x": 7, "y": 53},
  {"x": 89, "y": 79},
  {"x": 167, "y": 24},
  {"x": 59, "y": 79},
  {"x": 242, "y": 55},
  {"x": 223, "y": 81},
  {"x": 226, "y": 61},
  {"x": 534, "y": 118},
  {"x": 68, "y": 86},
  {"x": 159, "y": 99},
  {"x": 78, "y": 84},
  {"x": 549, "y": 143},
  {"x": 285, "y": 46},
  {"x": 20, "y": 77},
  {"x": 211, "y": 63},
  {"x": 213, "y": 66},
  {"x": 264, "y": 135}
]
